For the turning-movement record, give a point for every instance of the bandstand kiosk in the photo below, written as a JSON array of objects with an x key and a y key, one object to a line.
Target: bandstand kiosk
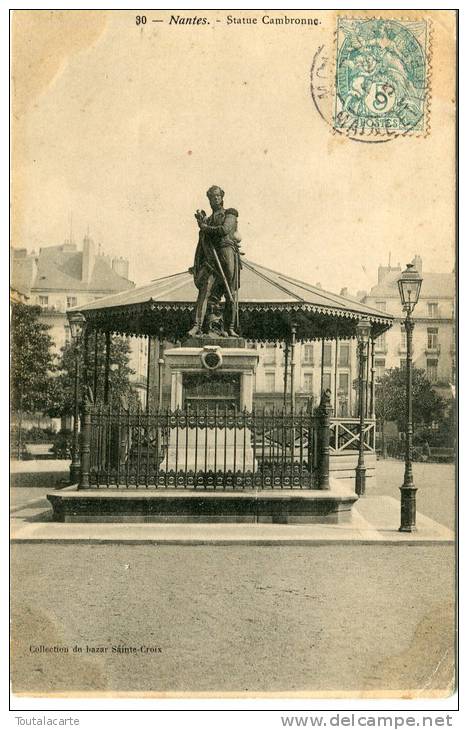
[{"x": 209, "y": 453}]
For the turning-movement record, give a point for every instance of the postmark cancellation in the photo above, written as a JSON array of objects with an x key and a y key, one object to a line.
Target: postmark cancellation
[
  {"x": 382, "y": 74},
  {"x": 373, "y": 84}
]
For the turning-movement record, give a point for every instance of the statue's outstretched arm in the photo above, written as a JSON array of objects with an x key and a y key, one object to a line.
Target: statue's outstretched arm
[{"x": 229, "y": 226}]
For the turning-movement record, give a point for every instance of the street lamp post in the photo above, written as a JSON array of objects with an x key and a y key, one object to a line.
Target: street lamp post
[
  {"x": 76, "y": 321},
  {"x": 409, "y": 285},
  {"x": 362, "y": 332}
]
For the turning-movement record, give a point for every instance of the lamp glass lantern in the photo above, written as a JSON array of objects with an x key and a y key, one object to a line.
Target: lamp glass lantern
[
  {"x": 363, "y": 330},
  {"x": 76, "y": 321},
  {"x": 409, "y": 286}
]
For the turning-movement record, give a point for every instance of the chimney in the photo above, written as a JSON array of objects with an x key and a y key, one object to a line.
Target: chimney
[
  {"x": 120, "y": 266},
  {"x": 23, "y": 265},
  {"x": 106, "y": 259},
  {"x": 417, "y": 261},
  {"x": 344, "y": 292},
  {"x": 88, "y": 258},
  {"x": 382, "y": 273},
  {"x": 34, "y": 260}
]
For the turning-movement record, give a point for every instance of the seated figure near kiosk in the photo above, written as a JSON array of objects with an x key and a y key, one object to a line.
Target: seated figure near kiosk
[{"x": 216, "y": 269}]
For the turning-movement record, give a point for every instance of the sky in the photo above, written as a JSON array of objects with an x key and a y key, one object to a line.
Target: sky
[{"x": 126, "y": 127}]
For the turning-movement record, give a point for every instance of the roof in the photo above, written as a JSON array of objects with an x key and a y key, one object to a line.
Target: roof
[
  {"x": 59, "y": 269},
  {"x": 434, "y": 286},
  {"x": 262, "y": 290},
  {"x": 17, "y": 296},
  {"x": 258, "y": 285},
  {"x": 22, "y": 271}
]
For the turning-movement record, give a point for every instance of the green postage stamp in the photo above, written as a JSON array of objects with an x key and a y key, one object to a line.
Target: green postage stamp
[{"x": 382, "y": 70}]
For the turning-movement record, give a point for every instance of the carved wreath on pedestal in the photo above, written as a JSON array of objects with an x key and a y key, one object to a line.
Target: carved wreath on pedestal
[{"x": 211, "y": 357}]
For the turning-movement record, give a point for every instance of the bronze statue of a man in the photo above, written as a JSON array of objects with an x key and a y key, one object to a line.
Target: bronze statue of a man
[{"x": 216, "y": 269}]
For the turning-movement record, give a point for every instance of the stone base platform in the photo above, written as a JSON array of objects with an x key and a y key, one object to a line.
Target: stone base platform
[{"x": 297, "y": 506}]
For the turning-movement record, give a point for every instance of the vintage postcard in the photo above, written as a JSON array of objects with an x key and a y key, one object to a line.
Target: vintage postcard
[{"x": 233, "y": 336}]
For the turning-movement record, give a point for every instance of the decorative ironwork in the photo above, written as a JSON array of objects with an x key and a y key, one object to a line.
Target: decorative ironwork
[
  {"x": 222, "y": 448},
  {"x": 259, "y": 321}
]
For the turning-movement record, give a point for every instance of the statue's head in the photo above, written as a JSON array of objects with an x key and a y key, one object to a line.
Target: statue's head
[{"x": 215, "y": 195}]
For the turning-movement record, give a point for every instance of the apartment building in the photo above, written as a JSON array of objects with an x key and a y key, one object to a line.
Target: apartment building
[
  {"x": 58, "y": 278},
  {"x": 434, "y": 331},
  {"x": 318, "y": 366}
]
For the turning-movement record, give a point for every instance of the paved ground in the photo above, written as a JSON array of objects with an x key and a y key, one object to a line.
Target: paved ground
[
  {"x": 374, "y": 519},
  {"x": 38, "y": 474},
  {"x": 234, "y": 618},
  {"x": 435, "y": 482},
  {"x": 239, "y": 618}
]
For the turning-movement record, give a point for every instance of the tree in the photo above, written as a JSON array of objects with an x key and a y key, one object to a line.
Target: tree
[
  {"x": 447, "y": 431},
  {"x": 120, "y": 387},
  {"x": 32, "y": 363},
  {"x": 390, "y": 400}
]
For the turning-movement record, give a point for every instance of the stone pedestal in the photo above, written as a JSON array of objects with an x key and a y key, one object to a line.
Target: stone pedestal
[
  {"x": 211, "y": 377},
  {"x": 211, "y": 449},
  {"x": 187, "y": 360}
]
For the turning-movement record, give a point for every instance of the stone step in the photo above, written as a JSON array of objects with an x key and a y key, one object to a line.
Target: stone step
[{"x": 301, "y": 506}]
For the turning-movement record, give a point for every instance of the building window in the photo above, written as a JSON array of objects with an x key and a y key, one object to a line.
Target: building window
[
  {"x": 343, "y": 360},
  {"x": 308, "y": 382},
  {"x": 270, "y": 382},
  {"x": 43, "y": 301},
  {"x": 433, "y": 310},
  {"x": 379, "y": 366},
  {"x": 327, "y": 355},
  {"x": 308, "y": 354},
  {"x": 431, "y": 368},
  {"x": 432, "y": 338},
  {"x": 380, "y": 342},
  {"x": 382, "y": 306},
  {"x": 71, "y": 302},
  {"x": 67, "y": 333},
  {"x": 269, "y": 357},
  {"x": 327, "y": 381},
  {"x": 343, "y": 381}
]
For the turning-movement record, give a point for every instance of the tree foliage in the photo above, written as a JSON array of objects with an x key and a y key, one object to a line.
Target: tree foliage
[
  {"x": 120, "y": 387},
  {"x": 32, "y": 360},
  {"x": 390, "y": 399}
]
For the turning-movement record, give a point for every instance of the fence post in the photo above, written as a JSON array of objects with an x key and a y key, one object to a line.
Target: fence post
[
  {"x": 85, "y": 445},
  {"x": 324, "y": 412},
  {"x": 310, "y": 438}
]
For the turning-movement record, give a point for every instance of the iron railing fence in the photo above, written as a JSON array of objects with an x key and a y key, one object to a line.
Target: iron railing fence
[{"x": 223, "y": 448}]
